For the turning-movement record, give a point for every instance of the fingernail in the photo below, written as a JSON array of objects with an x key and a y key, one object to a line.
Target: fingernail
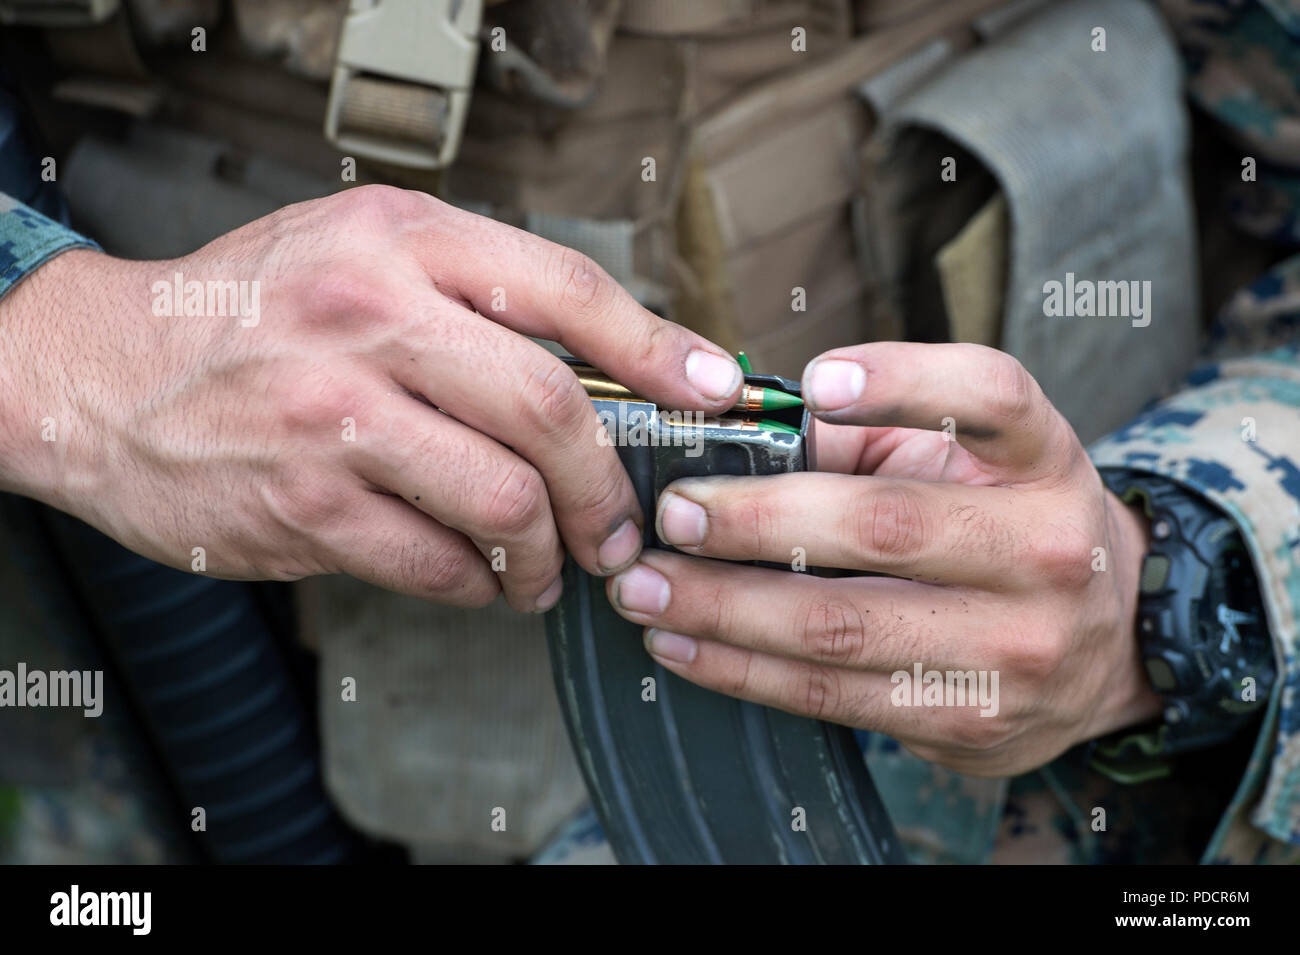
[
  {"x": 620, "y": 547},
  {"x": 671, "y": 646},
  {"x": 682, "y": 522},
  {"x": 711, "y": 375},
  {"x": 834, "y": 384},
  {"x": 641, "y": 590},
  {"x": 550, "y": 596}
]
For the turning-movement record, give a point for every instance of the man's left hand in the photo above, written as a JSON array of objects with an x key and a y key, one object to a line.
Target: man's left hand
[{"x": 1002, "y": 552}]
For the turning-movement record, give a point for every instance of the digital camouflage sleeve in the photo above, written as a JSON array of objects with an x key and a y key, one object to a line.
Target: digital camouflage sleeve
[
  {"x": 32, "y": 209},
  {"x": 1234, "y": 433},
  {"x": 1234, "y": 436},
  {"x": 1243, "y": 69},
  {"x": 28, "y": 239}
]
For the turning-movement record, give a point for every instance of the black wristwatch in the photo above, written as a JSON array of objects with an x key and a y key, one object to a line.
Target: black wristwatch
[{"x": 1204, "y": 639}]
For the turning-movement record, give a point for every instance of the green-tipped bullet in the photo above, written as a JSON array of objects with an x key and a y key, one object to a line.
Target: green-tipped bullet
[
  {"x": 753, "y": 398},
  {"x": 767, "y": 424}
]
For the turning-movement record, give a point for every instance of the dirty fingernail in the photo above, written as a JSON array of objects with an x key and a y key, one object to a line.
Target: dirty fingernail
[
  {"x": 834, "y": 384},
  {"x": 641, "y": 589},
  {"x": 550, "y": 596},
  {"x": 671, "y": 646},
  {"x": 620, "y": 547}
]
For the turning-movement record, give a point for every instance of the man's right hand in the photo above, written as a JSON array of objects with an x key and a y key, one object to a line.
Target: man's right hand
[{"x": 384, "y": 417}]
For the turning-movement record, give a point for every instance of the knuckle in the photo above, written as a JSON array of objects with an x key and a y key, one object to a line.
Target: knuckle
[
  {"x": 833, "y": 631},
  {"x": 928, "y": 752},
  {"x": 604, "y": 497},
  {"x": 442, "y": 569},
  {"x": 1064, "y": 558},
  {"x": 305, "y": 506},
  {"x": 1036, "y": 658},
  {"x": 737, "y": 682},
  {"x": 387, "y": 204},
  {"x": 1068, "y": 454},
  {"x": 747, "y": 519},
  {"x": 662, "y": 338},
  {"x": 583, "y": 287},
  {"x": 451, "y": 578},
  {"x": 1012, "y": 390},
  {"x": 516, "y": 500},
  {"x": 312, "y": 403},
  {"x": 721, "y": 612},
  {"x": 818, "y": 692},
  {"x": 552, "y": 399},
  {"x": 890, "y": 523},
  {"x": 344, "y": 294},
  {"x": 974, "y": 733}
]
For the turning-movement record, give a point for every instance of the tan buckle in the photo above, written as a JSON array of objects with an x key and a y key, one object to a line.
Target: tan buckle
[{"x": 402, "y": 80}]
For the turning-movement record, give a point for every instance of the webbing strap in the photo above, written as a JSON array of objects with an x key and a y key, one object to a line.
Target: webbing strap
[
  {"x": 733, "y": 126},
  {"x": 394, "y": 110},
  {"x": 669, "y": 17}
]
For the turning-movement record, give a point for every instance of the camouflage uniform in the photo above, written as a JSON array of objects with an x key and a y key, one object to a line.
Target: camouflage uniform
[{"x": 1243, "y": 61}]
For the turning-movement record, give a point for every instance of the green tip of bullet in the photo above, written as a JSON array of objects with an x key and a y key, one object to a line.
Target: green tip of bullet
[
  {"x": 743, "y": 360},
  {"x": 777, "y": 426},
  {"x": 774, "y": 400}
]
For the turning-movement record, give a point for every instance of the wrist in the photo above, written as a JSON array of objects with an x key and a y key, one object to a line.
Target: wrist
[
  {"x": 43, "y": 351},
  {"x": 1134, "y": 700}
]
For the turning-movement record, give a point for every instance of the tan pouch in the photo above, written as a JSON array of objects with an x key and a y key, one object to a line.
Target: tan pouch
[
  {"x": 779, "y": 166},
  {"x": 972, "y": 270}
]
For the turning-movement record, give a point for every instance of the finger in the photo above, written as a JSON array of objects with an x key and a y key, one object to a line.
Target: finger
[
  {"x": 468, "y": 482},
  {"x": 392, "y": 545},
  {"x": 543, "y": 289},
  {"x": 938, "y": 532},
  {"x": 982, "y": 396},
  {"x": 857, "y": 623},
  {"x": 505, "y": 386},
  {"x": 840, "y": 447},
  {"x": 855, "y": 699}
]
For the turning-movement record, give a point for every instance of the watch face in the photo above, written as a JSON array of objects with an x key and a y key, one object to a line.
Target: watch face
[{"x": 1235, "y": 640}]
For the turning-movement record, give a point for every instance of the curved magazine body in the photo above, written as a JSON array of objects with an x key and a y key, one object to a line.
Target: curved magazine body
[{"x": 679, "y": 774}]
